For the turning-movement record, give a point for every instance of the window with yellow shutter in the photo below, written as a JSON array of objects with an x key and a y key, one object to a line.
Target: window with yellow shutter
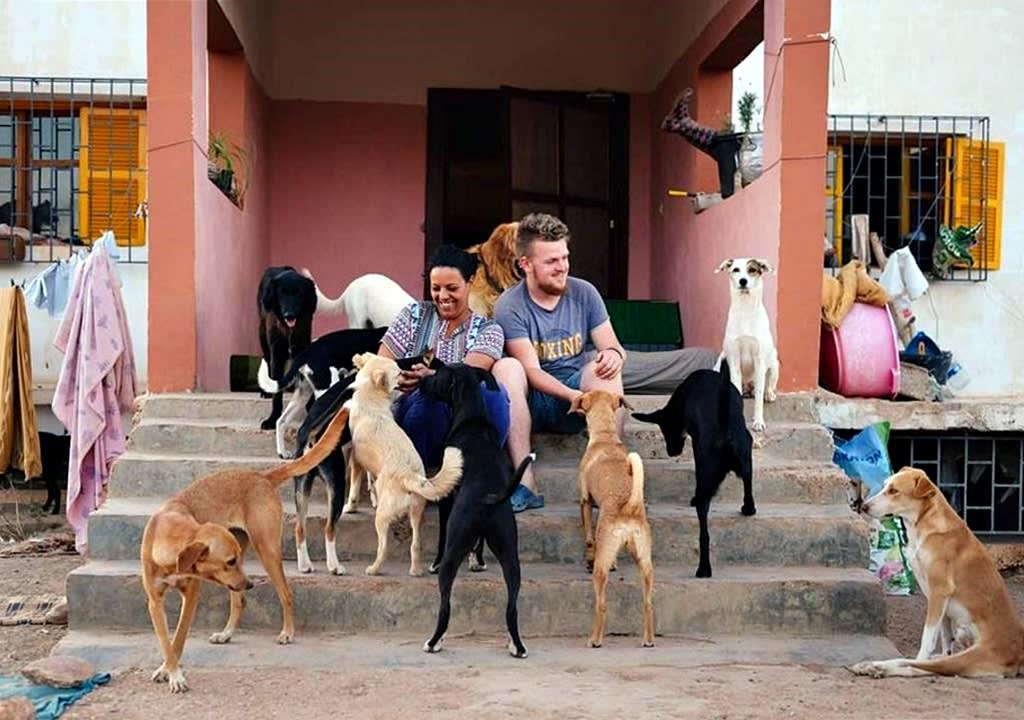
[
  {"x": 910, "y": 175},
  {"x": 72, "y": 165}
]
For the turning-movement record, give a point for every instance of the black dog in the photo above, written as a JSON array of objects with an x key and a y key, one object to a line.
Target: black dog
[
  {"x": 333, "y": 468},
  {"x": 333, "y": 351},
  {"x": 708, "y": 408},
  {"x": 286, "y": 301},
  {"x": 481, "y": 507},
  {"x": 54, "y": 451}
]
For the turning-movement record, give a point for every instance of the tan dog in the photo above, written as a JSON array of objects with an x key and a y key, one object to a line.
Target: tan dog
[
  {"x": 497, "y": 271},
  {"x": 190, "y": 539},
  {"x": 615, "y": 481},
  {"x": 967, "y": 598},
  {"x": 381, "y": 447}
]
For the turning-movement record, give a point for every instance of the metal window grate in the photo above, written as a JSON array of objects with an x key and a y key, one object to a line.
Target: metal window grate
[
  {"x": 72, "y": 165},
  {"x": 901, "y": 171},
  {"x": 980, "y": 474}
]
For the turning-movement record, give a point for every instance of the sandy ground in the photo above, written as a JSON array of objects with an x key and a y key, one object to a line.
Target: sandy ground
[{"x": 390, "y": 677}]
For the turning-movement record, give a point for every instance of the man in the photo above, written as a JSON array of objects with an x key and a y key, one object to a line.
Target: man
[{"x": 548, "y": 319}]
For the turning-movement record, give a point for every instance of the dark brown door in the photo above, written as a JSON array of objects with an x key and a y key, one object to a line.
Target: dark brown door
[
  {"x": 495, "y": 156},
  {"x": 567, "y": 155}
]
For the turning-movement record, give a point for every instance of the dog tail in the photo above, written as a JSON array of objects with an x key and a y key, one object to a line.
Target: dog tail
[
  {"x": 444, "y": 482},
  {"x": 498, "y": 498},
  {"x": 973, "y": 660},
  {"x": 636, "y": 493},
  {"x": 725, "y": 396},
  {"x": 314, "y": 455},
  {"x": 329, "y": 306}
]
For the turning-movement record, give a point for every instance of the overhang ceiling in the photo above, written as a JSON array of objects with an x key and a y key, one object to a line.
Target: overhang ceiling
[{"x": 392, "y": 50}]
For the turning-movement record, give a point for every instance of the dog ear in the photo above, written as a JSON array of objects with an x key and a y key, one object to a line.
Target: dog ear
[
  {"x": 359, "y": 360},
  {"x": 624, "y": 403},
  {"x": 724, "y": 265},
  {"x": 194, "y": 553},
  {"x": 428, "y": 357},
  {"x": 379, "y": 377},
  {"x": 923, "y": 487},
  {"x": 766, "y": 267}
]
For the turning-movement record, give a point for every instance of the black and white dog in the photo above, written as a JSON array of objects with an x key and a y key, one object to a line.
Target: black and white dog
[
  {"x": 312, "y": 372},
  {"x": 286, "y": 301},
  {"x": 481, "y": 507},
  {"x": 708, "y": 407}
]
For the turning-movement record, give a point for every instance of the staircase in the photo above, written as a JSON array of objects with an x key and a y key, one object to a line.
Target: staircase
[{"x": 796, "y": 568}]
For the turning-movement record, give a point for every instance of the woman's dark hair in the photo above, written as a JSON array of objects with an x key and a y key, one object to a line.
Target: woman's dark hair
[{"x": 454, "y": 257}]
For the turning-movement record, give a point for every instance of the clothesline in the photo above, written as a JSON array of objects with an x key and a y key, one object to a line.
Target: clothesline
[{"x": 50, "y": 288}]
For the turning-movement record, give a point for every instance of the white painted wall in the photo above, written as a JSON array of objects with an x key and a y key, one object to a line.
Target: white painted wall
[
  {"x": 75, "y": 38},
  {"x": 949, "y": 57}
]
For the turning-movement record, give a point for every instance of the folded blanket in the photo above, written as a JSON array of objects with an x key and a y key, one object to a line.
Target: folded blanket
[{"x": 852, "y": 285}]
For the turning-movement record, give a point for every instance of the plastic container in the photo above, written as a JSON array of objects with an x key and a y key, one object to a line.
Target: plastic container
[{"x": 861, "y": 358}]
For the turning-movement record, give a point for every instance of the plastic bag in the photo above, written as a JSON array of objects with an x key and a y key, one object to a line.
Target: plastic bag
[{"x": 865, "y": 457}]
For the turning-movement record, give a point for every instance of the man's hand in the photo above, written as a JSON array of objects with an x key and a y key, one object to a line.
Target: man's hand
[
  {"x": 409, "y": 379},
  {"x": 608, "y": 364}
]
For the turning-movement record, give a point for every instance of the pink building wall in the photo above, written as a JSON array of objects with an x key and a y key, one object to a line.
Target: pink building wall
[{"x": 348, "y": 192}]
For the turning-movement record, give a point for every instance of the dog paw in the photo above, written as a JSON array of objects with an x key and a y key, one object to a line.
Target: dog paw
[
  {"x": 338, "y": 569},
  {"x": 285, "y": 638},
  {"x": 704, "y": 571},
  {"x": 476, "y": 565},
  {"x": 428, "y": 648},
  {"x": 372, "y": 570},
  {"x": 594, "y": 642},
  {"x": 517, "y": 652},
  {"x": 416, "y": 571},
  {"x": 305, "y": 566},
  {"x": 268, "y": 425},
  {"x": 350, "y": 508},
  {"x": 286, "y": 454},
  {"x": 758, "y": 426},
  {"x": 177, "y": 681},
  {"x": 758, "y": 442},
  {"x": 219, "y": 638},
  {"x": 748, "y": 509},
  {"x": 770, "y": 396},
  {"x": 647, "y": 643},
  {"x": 434, "y": 566},
  {"x": 160, "y": 674},
  {"x": 867, "y": 669}
]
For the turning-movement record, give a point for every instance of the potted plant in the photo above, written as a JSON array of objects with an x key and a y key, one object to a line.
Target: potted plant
[
  {"x": 227, "y": 167},
  {"x": 751, "y": 149}
]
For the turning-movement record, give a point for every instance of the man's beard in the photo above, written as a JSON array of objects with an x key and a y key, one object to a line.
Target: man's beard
[{"x": 551, "y": 288}]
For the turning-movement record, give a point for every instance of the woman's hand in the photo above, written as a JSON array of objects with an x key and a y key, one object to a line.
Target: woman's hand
[
  {"x": 409, "y": 379},
  {"x": 608, "y": 364}
]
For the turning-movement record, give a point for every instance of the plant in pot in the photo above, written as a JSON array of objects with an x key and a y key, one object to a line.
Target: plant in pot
[
  {"x": 227, "y": 167},
  {"x": 751, "y": 149}
]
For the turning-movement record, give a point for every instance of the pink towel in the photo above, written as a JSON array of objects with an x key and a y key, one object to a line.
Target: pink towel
[{"x": 96, "y": 384}]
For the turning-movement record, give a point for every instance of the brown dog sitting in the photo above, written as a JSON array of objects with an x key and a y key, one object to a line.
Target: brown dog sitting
[
  {"x": 967, "y": 597},
  {"x": 190, "y": 539},
  {"x": 497, "y": 271},
  {"x": 614, "y": 481}
]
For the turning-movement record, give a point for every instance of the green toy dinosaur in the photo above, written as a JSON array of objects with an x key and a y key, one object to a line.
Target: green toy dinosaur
[{"x": 953, "y": 249}]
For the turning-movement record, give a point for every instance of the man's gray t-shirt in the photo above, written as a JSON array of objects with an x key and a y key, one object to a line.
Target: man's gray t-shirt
[{"x": 559, "y": 336}]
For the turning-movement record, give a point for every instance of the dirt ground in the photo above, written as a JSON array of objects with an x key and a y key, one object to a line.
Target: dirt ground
[{"x": 545, "y": 685}]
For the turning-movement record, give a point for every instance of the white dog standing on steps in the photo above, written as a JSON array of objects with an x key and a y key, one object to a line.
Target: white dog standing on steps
[{"x": 748, "y": 344}]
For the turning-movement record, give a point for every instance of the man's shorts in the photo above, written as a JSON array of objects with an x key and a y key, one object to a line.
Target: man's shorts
[{"x": 551, "y": 414}]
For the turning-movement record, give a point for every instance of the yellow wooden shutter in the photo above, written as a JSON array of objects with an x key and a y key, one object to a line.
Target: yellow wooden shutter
[
  {"x": 976, "y": 178},
  {"x": 834, "y": 189},
  {"x": 112, "y": 174}
]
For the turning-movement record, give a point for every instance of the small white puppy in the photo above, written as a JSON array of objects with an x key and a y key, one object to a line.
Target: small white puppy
[{"x": 748, "y": 345}]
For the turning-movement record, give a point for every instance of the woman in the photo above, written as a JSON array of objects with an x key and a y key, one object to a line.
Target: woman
[{"x": 457, "y": 335}]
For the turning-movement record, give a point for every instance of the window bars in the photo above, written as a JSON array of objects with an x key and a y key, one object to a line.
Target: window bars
[
  {"x": 910, "y": 175},
  {"x": 72, "y": 166},
  {"x": 980, "y": 474}
]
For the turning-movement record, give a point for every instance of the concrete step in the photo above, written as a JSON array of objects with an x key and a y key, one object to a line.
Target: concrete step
[
  {"x": 828, "y": 535},
  {"x": 554, "y": 600},
  {"x": 251, "y": 408},
  {"x": 139, "y": 474},
  {"x": 795, "y": 441}
]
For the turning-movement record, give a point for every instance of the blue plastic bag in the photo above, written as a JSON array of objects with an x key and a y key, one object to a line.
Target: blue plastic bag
[{"x": 865, "y": 456}]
